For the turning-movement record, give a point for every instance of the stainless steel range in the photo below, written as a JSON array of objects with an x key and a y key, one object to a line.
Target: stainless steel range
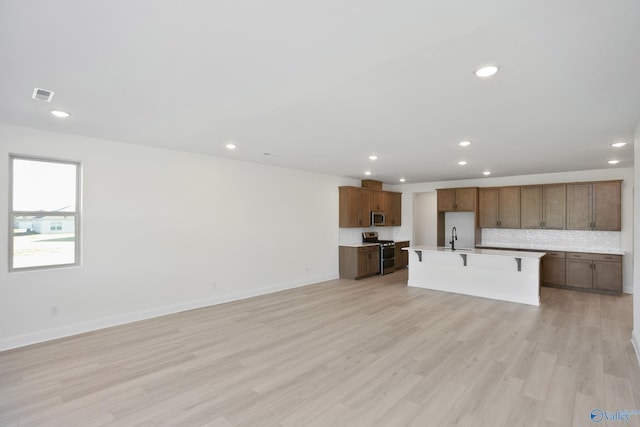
[{"x": 387, "y": 251}]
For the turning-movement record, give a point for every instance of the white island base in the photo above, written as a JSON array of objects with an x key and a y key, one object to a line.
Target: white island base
[{"x": 502, "y": 275}]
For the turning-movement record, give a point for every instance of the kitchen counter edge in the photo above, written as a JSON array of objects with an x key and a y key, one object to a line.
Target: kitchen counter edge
[
  {"x": 477, "y": 251},
  {"x": 555, "y": 249}
]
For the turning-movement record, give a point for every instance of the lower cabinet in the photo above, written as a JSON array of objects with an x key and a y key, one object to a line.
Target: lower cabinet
[
  {"x": 357, "y": 262},
  {"x": 594, "y": 271},
  {"x": 553, "y": 269},
  {"x": 401, "y": 257},
  {"x": 580, "y": 270}
]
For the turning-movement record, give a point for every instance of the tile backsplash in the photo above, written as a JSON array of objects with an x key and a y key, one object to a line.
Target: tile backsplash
[
  {"x": 553, "y": 239},
  {"x": 348, "y": 236}
]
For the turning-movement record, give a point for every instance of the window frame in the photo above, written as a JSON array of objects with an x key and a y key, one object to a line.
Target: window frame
[{"x": 76, "y": 214}]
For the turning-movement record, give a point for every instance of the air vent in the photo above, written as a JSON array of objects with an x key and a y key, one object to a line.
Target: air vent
[{"x": 42, "y": 94}]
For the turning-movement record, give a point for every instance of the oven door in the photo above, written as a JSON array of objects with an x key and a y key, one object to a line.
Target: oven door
[
  {"x": 387, "y": 259},
  {"x": 387, "y": 252},
  {"x": 387, "y": 266}
]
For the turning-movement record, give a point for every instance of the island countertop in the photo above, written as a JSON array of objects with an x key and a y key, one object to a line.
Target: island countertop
[{"x": 476, "y": 251}]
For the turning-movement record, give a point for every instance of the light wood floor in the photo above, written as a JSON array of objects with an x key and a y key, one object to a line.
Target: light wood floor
[{"x": 341, "y": 353}]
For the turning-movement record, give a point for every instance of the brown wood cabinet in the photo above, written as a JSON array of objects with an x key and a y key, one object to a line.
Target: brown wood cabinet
[
  {"x": 594, "y": 206},
  {"x": 599, "y": 272},
  {"x": 531, "y": 207},
  {"x": 357, "y": 262},
  {"x": 393, "y": 207},
  {"x": 543, "y": 206},
  {"x": 499, "y": 207},
  {"x": 354, "y": 207},
  {"x": 457, "y": 199},
  {"x": 402, "y": 257},
  {"x": 554, "y": 206},
  {"x": 356, "y": 204},
  {"x": 579, "y": 270},
  {"x": 378, "y": 200},
  {"x": 553, "y": 269}
]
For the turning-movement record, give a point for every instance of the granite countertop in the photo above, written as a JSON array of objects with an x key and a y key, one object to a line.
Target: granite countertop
[{"x": 550, "y": 248}]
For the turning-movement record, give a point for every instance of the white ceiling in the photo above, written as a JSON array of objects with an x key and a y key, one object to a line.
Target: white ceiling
[{"x": 321, "y": 85}]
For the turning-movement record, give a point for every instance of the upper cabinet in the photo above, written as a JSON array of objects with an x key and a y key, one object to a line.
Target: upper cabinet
[
  {"x": 355, "y": 207},
  {"x": 543, "y": 206},
  {"x": 457, "y": 199},
  {"x": 554, "y": 206},
  {"x": 575, "y": 206},
  {"x": 499, "y": 207},
  {"x": 356, "y": 204},
  {"x": 393, "y": 207},
  {"x": 594, "y": 206},
  {"x": 531, "y": 207},
  {"x": 377, "y": 201}
]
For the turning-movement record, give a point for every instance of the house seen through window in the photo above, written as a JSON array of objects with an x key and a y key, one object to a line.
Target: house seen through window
[{"x": 44, "y": 213}]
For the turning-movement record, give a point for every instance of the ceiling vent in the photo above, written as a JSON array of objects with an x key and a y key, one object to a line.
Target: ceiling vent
[{"x": 42, "y": 94}]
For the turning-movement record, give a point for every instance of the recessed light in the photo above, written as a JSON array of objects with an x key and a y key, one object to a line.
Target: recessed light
[
  {"x": 618, "y": 144},
  {"x": 231, "y": 146},
  {"x": 402, "y": 180},
  {"x": 613, "y": 162},
  {"x": 373, "y": 157},
  {"x": 462, "y": 162},
  {"x": 486, "y": 71},
  {"x": 367, "y": 173},
  {"x": 60, "y": 114},
  {"x": 464, "y": 143},
  {"x": 486, "y": 173}
]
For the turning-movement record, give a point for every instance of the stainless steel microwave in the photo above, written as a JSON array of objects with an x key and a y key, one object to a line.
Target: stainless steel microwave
[{"x": 378, "y": 218}]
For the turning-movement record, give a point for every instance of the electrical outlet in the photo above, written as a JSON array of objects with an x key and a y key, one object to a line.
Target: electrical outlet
[
  {"x": 214, "y": 285},
  {"x": 306, "y": 270},
  {"x": 55, "y": 310}
]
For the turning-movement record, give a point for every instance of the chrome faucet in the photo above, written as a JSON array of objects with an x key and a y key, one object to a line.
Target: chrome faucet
[{"x": 454, "y": 237}]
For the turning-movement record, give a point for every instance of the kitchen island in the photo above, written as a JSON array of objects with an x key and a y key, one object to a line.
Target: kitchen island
[{"x": 503, "y": 275}]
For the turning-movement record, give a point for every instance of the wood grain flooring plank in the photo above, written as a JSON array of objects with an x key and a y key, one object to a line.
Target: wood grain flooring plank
[
  {"x": 539, "y": 378},
  {"x": 560, "y": 399},
  {"x": 342, "y": 352}
]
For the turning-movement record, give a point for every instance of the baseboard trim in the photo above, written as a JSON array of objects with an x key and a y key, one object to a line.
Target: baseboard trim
[
  {"x": 108, "y": 322},
  {"x": 635, "y": 341}
]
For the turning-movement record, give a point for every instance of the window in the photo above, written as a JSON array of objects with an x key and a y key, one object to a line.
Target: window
[{"x": 44, "y": 215}]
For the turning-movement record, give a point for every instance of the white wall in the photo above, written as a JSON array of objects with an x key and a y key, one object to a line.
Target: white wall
[
  {"x": 159, "y": 229},
  {"x": 425, "y": 219},
  {"x": 465, "y": 224},
  {"x": 625, "y": 174},
  {"x": 636, "y": 274}
]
